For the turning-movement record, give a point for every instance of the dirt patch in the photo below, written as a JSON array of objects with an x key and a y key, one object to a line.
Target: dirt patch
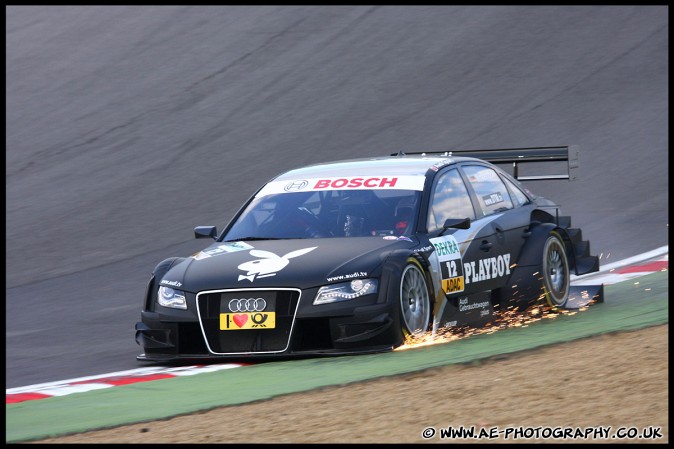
[{"x": 617, "y": 380}]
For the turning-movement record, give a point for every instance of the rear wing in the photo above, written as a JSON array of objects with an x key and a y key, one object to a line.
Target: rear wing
[{"x": 516, "y": 156}]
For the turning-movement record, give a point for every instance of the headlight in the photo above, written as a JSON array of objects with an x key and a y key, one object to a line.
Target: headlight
[
  {"x": 345, "y": 291},
  {"x": 168, "y": 297}
]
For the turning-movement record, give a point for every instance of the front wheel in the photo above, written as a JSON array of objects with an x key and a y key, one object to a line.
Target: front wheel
[
  {"x": 556, "y": 275},
  {"x": 415, "y": 301}
]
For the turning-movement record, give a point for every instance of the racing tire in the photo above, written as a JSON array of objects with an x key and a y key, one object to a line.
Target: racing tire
[
  {"x": 415, "y": 299},
  {"x": 556, "y": 273}
]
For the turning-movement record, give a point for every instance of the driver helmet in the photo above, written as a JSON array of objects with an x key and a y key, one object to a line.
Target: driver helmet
[{"x": 403, "y": 214}]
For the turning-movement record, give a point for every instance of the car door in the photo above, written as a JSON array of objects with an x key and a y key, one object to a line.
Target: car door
[
  {"x": 451, "y": 199},
  {"x": 502, "y": 223},
  {"x": 458, "y": 252}
]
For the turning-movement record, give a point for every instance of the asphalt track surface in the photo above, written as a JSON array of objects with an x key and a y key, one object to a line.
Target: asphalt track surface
[{"x": 127, "y": 126}]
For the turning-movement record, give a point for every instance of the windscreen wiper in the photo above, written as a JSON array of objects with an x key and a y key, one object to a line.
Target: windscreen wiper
[{"x": 258, "y": 238}]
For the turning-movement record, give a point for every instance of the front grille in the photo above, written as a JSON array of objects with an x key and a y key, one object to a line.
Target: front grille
[{"x": 212, "y": 304}]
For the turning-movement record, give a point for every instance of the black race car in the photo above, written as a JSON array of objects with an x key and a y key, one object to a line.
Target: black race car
[{"x": 353, "y": 256}]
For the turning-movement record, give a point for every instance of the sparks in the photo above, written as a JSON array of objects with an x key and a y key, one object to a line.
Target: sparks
[{"x": 503, "y": 319}]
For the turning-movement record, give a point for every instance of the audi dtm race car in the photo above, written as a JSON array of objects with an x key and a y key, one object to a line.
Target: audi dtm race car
[{"x": 354, "y": 256}]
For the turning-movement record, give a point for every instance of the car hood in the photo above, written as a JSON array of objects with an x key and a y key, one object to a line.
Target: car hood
[{"x": 298, "y": 263}]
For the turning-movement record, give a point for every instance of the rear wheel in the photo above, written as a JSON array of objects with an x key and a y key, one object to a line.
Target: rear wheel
[
  {"x": 556, "y": 275},
  {"x": 415, "y": 301}
]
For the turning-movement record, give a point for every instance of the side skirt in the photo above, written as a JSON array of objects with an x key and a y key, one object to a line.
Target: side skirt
[{"x": 473, "y": 310}]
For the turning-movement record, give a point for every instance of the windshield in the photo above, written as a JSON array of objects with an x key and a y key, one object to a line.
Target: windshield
[{"x": 331, "y": 213}]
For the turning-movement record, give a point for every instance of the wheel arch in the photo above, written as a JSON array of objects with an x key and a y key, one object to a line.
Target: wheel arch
[
  {"x": 552, "y": 223},
  {"x": 523, "y": 286},
  {"x": 539, "y": 232}
]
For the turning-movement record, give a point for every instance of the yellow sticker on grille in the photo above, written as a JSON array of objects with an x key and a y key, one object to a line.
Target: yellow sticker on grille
[{"x": 247, "y": 320}]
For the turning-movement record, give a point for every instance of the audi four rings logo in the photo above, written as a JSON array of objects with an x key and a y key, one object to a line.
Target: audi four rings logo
[
  {"x": 247, "y": 305},
  {"x": 296, "y": 185}
]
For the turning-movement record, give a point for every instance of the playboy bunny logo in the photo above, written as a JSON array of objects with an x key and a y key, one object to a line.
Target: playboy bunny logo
[{"x": 268, "y": 264}]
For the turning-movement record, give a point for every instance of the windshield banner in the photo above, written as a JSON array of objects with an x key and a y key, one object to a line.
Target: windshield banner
[{"x": 344, "y": 183}]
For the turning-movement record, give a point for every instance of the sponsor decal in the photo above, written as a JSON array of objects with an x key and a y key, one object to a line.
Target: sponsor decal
[
  {"x": 494, "y": 198},
  {"x": 424, "y": 249},
  {"x": 268, "y": 263},
  {"x": 437, "y": 166},
  {"x": 378, "y": 232},
  {"x": 390, "y": 237},
  {"x": 256, "y": 320},
  {"x": 446, "y": 247},
  {"x": 351, "y": 183},
  {"x": 464, "y": 305},
  {"x": 344, "y": 183},
  {"x": 451, "y": 265},
  {"x": 224, "y": 248},
  {"x": 464, "y": 237},
  {"x": 171, "y": 283},
  {"x": 484, "y": 175},
  {"x": 454, "y": 283},
  {"x": 355, "y": 274},
  {"x": 295, "y": 186},
  {"x": 485, "y": 269},
  {"x": 407, "y": 239}
]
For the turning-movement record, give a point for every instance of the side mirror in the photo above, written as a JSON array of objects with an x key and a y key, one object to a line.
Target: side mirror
[
  {"x": 203, "y": 232},
  {"x": 456, "y": 223}
]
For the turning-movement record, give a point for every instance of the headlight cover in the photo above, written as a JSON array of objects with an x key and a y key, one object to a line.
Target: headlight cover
[
  {"x": 345, "y": 291},
  {"x": 168, "y": 297}
]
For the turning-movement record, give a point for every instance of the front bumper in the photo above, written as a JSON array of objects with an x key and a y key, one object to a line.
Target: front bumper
[{"x": 366, "y": 324}]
